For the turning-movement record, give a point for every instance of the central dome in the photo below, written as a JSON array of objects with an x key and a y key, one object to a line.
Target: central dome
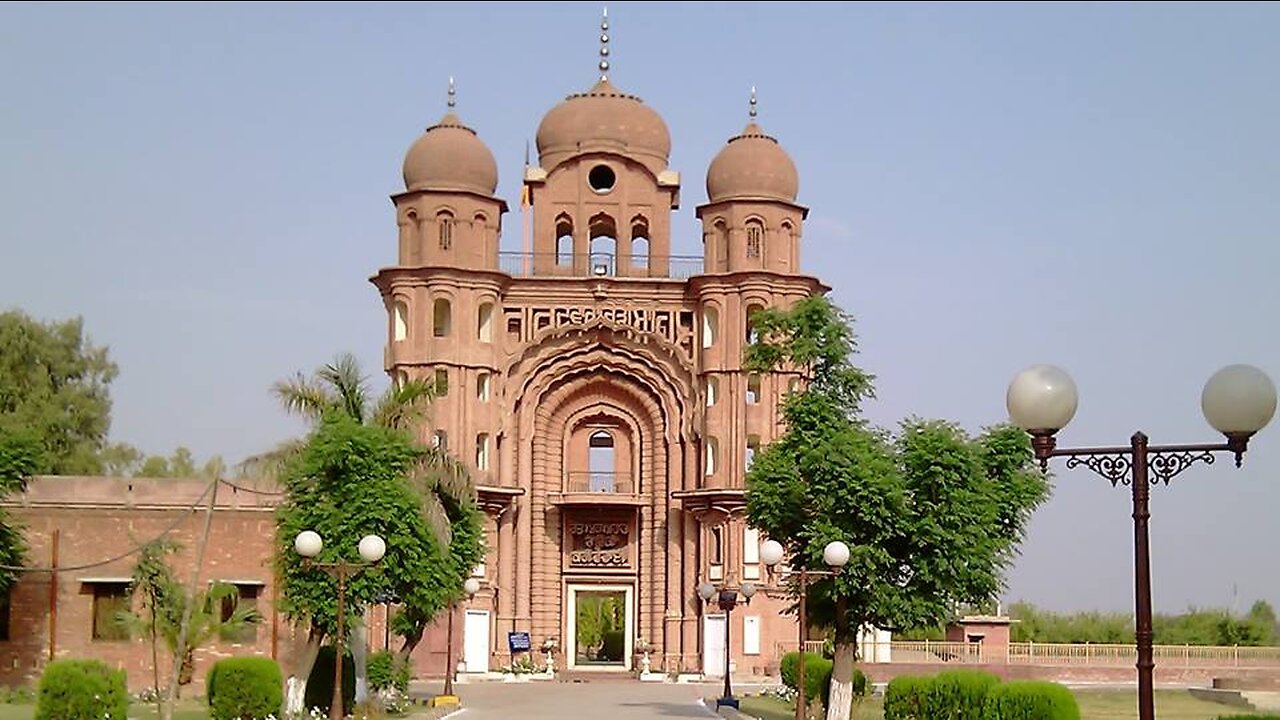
[{"x": 604, "y": 119}]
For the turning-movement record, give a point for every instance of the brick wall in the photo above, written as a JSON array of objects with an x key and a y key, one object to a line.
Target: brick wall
[{"x": 92, "y": 519}]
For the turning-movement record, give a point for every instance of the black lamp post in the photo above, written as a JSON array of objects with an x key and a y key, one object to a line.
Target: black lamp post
[
  {"x": 726, "y": 598},
  {"x": 836, "y": 556},
  {"x": 308, "y": 544},
  {"x": 1238, "y": 401}
]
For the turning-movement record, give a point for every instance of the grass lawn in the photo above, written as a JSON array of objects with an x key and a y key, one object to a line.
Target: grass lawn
[{"x": 1094, "y": 705}]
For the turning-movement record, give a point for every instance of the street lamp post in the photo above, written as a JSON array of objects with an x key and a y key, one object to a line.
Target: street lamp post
[
  {"x": 470, "y": 587},
  {"x": 836, "y": 556},
  {"x": 1238, "y": 401},
  {"x": 727, "y": 598},
  {"x": 308, "y": 544}
]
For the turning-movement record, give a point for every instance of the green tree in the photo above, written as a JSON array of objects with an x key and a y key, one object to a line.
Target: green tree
[
  {"x": 349, "y": 480},
  {"x": 53, "y": 382},
  {"x": 21, "y": 456},
  {"x": 932, "y": 516}
]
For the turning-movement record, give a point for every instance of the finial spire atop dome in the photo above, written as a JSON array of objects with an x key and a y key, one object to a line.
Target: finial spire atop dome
[
  {"x": 752, "y": 112},
  {"x": 453, "y": 94},
  {"x": 604, "y": 45}
]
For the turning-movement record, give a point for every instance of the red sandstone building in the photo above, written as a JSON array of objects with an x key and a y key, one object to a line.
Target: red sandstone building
[{"x": 592, "y": 380}]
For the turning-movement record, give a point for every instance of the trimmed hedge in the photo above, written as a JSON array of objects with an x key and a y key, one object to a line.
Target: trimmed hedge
[
  {"x": 905, "y": 698},
  {"x": 82, "y": 690},
  {"x": 958, "y": 695},
  {"x": 817, "y": 674},
  {"x": 319, "y": 692},
  {"x": 241, "y": 688},
  {"x": 386, "y": 670},
  {"x": 1031, "y": 700}
]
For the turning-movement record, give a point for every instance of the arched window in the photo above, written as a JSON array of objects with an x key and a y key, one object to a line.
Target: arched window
[
  {"x": 401, "y": 378},
  {"x": 755, "y": 238},
  {"x": 482, "y": 386},
  {"x": 601, "y": 460},
  {"x": 564, "y": 240},
  {"x": 604, "y": 244},
  {"x": 750, "y": 553},
  {"x": 712, "y": 450},
  {"x": 400, "y": 321},
  {"x": 753, "y": 444},
  {"x": 441, "y": 317},
  {"x": 753, "y": 389},
  {"x": 445, "y": 222},
  {"x": 484, "y": 323},
  {"x": 710, "y": 326},
  {"x": 720, "y": 231},
  {"x": 440, "y": 440},
  {"x": 639, "y": 242},
  {"x": 482, "y": 451},
  {"x": 442, "y": 382},
  {"x": 713, "y": 390},
  {"x": 750, "y": 328}
]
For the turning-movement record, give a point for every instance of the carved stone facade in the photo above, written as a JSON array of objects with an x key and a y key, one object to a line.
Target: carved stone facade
[{"x": 594, "y": 381}]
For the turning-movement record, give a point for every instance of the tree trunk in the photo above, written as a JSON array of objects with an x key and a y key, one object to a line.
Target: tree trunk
[
  {"x": 411, "y": 641},
  {"x": 359, "y": 655},
  {"x": 296, "y": 684},
  {"x": 840, "y": 701}
]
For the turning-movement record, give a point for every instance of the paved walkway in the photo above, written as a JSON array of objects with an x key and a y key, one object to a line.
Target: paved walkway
[{"x": 606, "y": 699}]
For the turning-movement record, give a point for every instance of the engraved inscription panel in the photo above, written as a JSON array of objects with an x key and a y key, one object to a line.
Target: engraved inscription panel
[
  {"x": 676, "y": 326},
  {"x": 599, "y": 542}
]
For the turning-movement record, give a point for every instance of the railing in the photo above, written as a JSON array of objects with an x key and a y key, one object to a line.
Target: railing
[
  {"x": 1081, "y": 654},
  {"x": 1164, "y": 655},
  {"x": 814, "y": 647},
  {"x": 678, "y": 267},
  {"x": 599, "y": 482}
]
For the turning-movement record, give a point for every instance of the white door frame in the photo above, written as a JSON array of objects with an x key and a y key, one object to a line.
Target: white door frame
[
  {"x": 467, "y": 640},
  {"x": 571, "y": 623},
  {"x": 709, "y": 619}
]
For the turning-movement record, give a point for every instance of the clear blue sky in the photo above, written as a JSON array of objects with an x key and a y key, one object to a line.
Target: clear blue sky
[{"x": 1094, "y": 185}]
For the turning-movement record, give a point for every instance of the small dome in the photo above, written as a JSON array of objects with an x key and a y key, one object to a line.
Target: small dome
[
  {"x": 752, "y": 166},
  {"x": 604, "y": 119},
  {"x": 450, "y": 156}
]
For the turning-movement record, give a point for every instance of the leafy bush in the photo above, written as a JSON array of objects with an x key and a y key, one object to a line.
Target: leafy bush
[
  {"x": 1030, "y": 700},
  {"x": 241, "y": 688},
  {"x": 905, "y": 698},
  {"x": 386, "y": 670},
  {"x": 958, "y": 695},
  {"x": 82, "y": 690},
  {"x": 817, "y": 674},
  {"x": 320, "y": 683},
  {"x": 612, "y": 647}
]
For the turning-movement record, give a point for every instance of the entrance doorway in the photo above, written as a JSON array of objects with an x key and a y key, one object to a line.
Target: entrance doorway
[
  {"x": 600, "y": 627},
  {"x": 713, "y": 645},
  {"x": 475, "y": 641}
]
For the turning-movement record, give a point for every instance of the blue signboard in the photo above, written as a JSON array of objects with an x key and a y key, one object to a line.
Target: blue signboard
[{"x": 518, "y": 641}]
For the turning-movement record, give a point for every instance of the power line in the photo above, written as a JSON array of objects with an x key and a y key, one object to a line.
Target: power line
[{"x": 136, "y": 548}]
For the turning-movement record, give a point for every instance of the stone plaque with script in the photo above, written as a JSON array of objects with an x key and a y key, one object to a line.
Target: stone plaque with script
[{"x": 600, "y": 543}]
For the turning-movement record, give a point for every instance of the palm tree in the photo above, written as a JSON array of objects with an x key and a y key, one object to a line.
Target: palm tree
[{"x": 339, "y": 386}]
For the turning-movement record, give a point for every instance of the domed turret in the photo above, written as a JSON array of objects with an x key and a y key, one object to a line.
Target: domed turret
[
  {"x": 752, "y": 166},
  {"x": 450, "y": 156}
]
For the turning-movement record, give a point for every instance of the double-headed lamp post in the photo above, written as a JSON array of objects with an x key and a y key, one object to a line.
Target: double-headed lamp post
[
  {"x": 836, "y": 556},
  {"x": 470, "y": 587},
  {"x": 727, "y": 598},
  {"x": 1238, "y": 401},
  {"x": 308, "y": 544}
]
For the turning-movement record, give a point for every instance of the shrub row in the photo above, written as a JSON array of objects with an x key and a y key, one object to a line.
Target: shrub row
[{"x": 976, "y": 695}]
